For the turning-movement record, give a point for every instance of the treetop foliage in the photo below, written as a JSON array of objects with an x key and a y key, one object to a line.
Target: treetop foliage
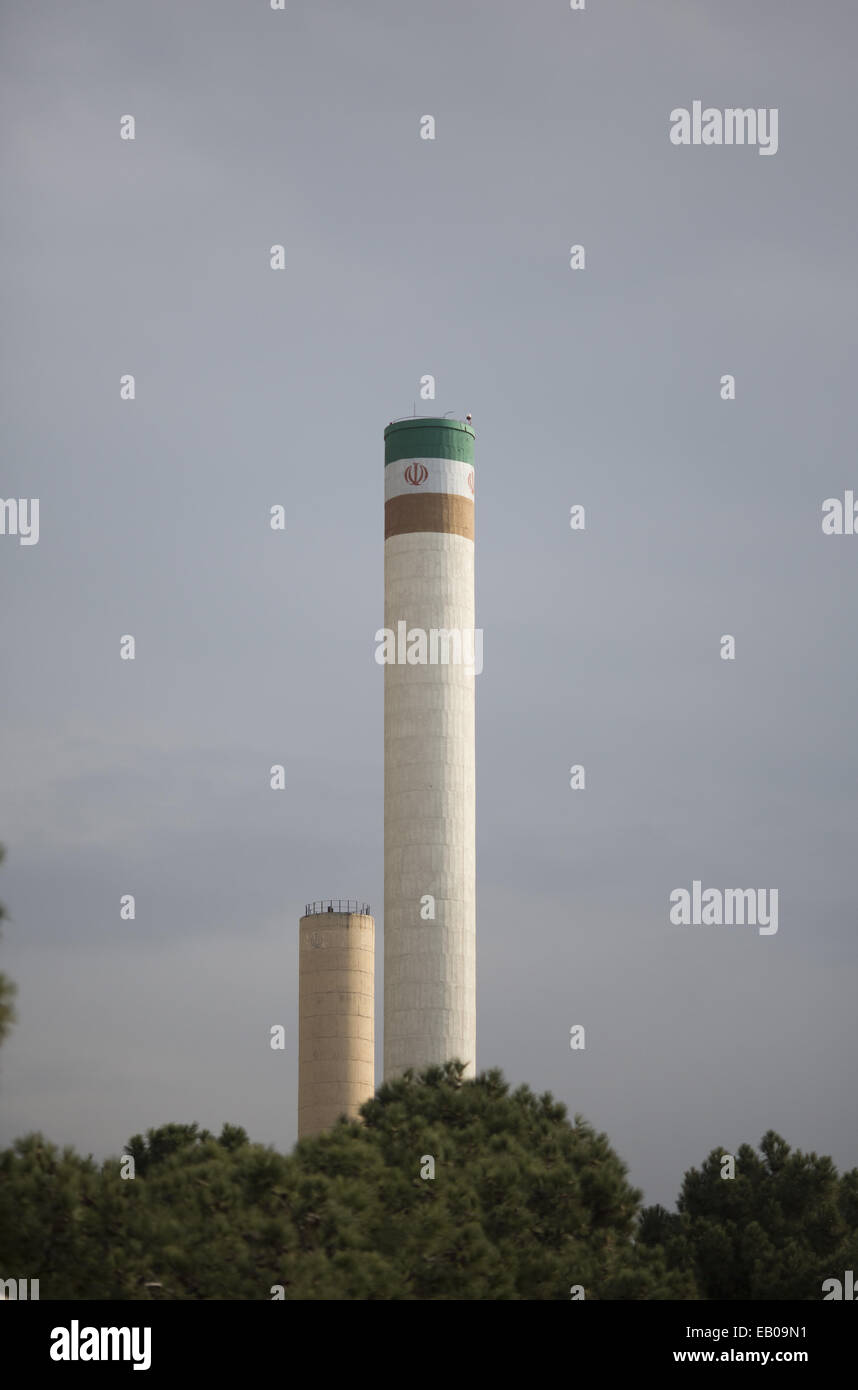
[
  {"x": 523, "y": 1205},
  {"x": 785, "y": 1223}
]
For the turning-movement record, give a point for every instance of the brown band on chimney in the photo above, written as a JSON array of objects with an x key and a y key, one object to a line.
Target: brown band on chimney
[{"x": 429, "y": 511}]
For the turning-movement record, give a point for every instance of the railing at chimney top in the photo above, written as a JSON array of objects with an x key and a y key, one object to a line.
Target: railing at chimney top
[{"x": 337, "y": 905}]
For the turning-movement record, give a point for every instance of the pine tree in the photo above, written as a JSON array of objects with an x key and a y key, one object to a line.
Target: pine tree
[
  {"x": 777, "y": 1230},
  {"x": 522, "y": 1205}
]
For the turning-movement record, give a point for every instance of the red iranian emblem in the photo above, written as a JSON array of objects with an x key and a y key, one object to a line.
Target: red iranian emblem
[
  {"x": 416, "y": 473},
  {"x": 471, "y": 480}
]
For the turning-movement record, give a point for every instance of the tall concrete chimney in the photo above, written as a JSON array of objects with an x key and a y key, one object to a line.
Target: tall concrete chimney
[
  {"x": 336, "y": 1013},
  {"x": 429, "y": 762}
]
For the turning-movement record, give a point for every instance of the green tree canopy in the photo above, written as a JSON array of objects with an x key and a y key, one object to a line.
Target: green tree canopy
[
  {"x": 776, "y": 1230},
  {"x": 523, "y": 1205}
]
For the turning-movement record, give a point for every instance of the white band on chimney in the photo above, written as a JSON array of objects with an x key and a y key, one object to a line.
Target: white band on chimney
[{"x": 428, "y": 475}]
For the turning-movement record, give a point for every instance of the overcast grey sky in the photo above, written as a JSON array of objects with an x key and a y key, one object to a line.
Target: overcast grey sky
[{"x": 600, "y": 387}]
